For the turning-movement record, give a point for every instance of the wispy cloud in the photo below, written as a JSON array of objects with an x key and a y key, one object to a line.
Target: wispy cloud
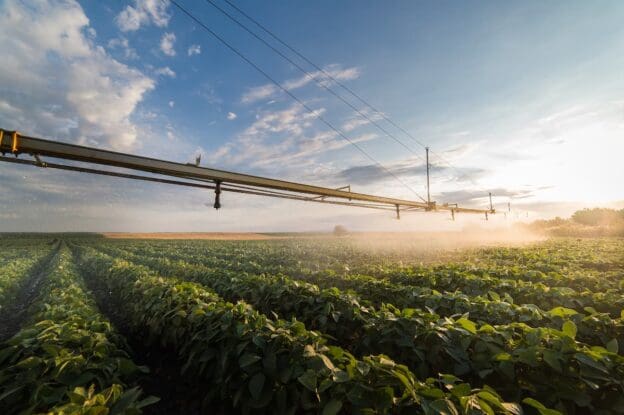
[
  {"x": 165, "y": 71},
  {"x": 258, "y": 93},
  {"x": 478, "y": 196},
  {"x": 374, "y": 173},
  {"x": 193, "y": 50},
  {"x": 281, "y": 138},
  {"x": 357, "y": 120},
  {"x": 142, "y": 13},
  {"x": 167, "y": 44},
  {"x": 207, "y": 92},
  {"x": 121, "y": 43},
  {"x": 231, "y": 116},
  {"x": 266, "y": 91}
]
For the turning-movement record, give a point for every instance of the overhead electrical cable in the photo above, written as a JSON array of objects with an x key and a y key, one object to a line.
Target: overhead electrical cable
[
  {"x": 337, "y": 82},
  {"x": 313, "y": 112},
  {"x": 313, "y": 78}
]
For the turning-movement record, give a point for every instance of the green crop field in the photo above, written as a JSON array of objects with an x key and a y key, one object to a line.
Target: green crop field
[{"x": 316, "y": 325}]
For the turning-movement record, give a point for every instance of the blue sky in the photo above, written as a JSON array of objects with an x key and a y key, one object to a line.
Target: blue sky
[{"x": 523, "y": 98}]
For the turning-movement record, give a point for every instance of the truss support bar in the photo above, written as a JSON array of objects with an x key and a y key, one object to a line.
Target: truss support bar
[{"x": 13, "y": 142}]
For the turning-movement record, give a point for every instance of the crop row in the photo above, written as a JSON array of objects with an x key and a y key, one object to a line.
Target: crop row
[
  {"x": 522, "y": 292},
  {"x": 558, "y": 254},
  {"x": 448, "y": 278},
  {"x": 594, "y": 266},
  {"x": 256, "y": 362},
  {"x": 588, "y": 265},
  {"x": 594, "y": 328},
  {"x": 15, "y": 271},
  {"x": 67, "y": 359},
  {"x": 522, "y": 361}
]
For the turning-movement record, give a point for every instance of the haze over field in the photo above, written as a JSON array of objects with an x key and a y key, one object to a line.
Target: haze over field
[{"x": 524, "y": 99}]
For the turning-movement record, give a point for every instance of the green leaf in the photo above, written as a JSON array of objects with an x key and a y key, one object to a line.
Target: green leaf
[
  {"x": 10, "y": 392},
  {"x": 125, "y": 401},
  {"x": 256, "y": 384},
  {"x": 485, "y": 407},
  {"x": 29, "y": 362},
  {"x": 150, "y": 400},
  {"x": 503, "y": 356},
  {"x": 463, "y": 389},
  {"x": 494, "y": 296},
  {"x": 341, "y": 376},
  {"x": 434, "y": 393},
  {"x": 308, "y": 379},
  {"x": 332, "y": 407},
  {"x": 362, "y": 367},
  {"x": 552, "y": 358},
  {"x": 540, "y": 407},
  {"x": 490, "y": 397},
  {"x": 587, "y": 360},
  {"x": 562, "y": 312},
  {"x": 467, "y": 325},
  {"x": 444, "y": 407},
  {"x": 569, "y": 329},
  {"x": 248, "y": 359},
  {"x": 613, "y": 346}
]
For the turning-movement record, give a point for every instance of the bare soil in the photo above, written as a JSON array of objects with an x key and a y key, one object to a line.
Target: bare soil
[{"x": 220, "y": 236}]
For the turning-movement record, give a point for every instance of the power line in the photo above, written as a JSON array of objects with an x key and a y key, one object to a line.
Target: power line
[
  {"x": 289, "y": 93},
  {"x": 313, "y": 78},
  {"x": 333, "y": 79}
]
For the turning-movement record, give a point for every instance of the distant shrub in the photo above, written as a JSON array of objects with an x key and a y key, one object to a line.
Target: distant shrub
[
  {"x": 594, "y": 222},
  {"x": 340, "y": 230},
  {"x": 598, "y": 216}
]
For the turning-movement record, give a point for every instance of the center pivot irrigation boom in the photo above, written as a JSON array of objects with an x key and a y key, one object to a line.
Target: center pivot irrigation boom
[{"x": 192, "y": 175}]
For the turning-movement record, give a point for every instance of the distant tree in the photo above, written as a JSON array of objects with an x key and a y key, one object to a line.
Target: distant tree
[
  {"x": 598, "y": 216},
  {"x": 340, "y": 230}
]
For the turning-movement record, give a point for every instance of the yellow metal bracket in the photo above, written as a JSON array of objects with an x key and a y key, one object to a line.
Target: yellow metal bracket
[{"x": 14, "y": 145}]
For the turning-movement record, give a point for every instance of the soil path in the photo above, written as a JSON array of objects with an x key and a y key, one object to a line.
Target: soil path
[{"x": 13, "y": 316}]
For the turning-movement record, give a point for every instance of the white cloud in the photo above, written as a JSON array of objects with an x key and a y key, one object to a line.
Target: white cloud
[
  {"x": 231, "y": 116},
  {"x": 123, "y": 44},
  {"x": 194, "y": 50},
  {"x": 142, "y": 13},
  {"x": 59, "y": 83},
  {"x": 166, "y": 71},
  {"x": 166, "y": 44},
  {"x": 358, "y": 120},
  {"x": 207, "y": 92},
  {"x": 281, "y": 138},
  {"x": 258, "y": 93},
  {"x": 171, "y": 104},
  {"x": 261, "y": 92}
]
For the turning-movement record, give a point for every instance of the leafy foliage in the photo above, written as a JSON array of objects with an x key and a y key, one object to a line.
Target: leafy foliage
[
  {"x": 68, "y": 359},
  {"x": 482, "y": 334},
  {"x": 276, "y": 365}
]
